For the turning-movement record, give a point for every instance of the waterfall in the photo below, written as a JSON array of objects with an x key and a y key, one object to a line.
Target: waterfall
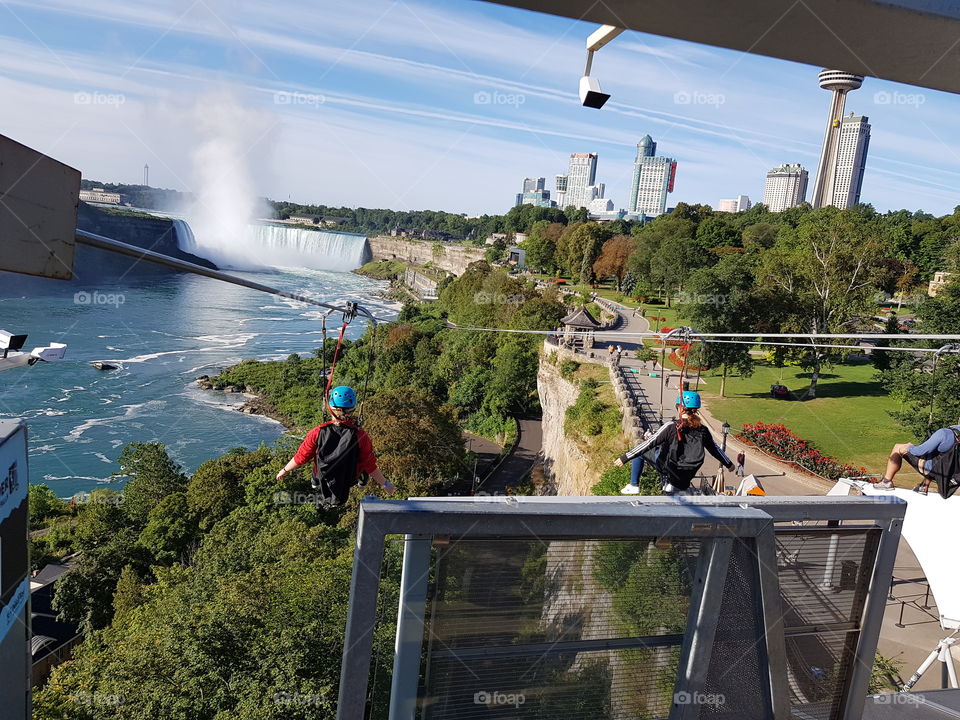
[{"x": 271, "y": 246}]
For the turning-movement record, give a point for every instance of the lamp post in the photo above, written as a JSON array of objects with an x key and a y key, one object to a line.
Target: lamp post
[{"x": 725, "y": 429}]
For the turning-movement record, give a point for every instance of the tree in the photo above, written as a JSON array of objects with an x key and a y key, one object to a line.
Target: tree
[
  {"x": 578, "y": 248},
  {"x": 153, "y": 476},
  {"x": 613, "y": 258},
  {"x": 722, "y": 299},
  {"x": 541, "y": 244},
  {"x": 824, "y": 274},
  {"x": 928, "y": 386},
  {"x": 414, "y": 437},
  {"x": 670, "y": 251},
  {"x": 43, "y": 503}
]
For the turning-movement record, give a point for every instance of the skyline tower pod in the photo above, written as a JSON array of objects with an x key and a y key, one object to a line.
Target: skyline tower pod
[{"x": 839, "y": 83}]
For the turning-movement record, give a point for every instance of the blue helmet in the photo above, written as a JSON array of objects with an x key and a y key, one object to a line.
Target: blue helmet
[
  {"x": 689, "y": 399},
  {"x": 343, "y": 397}
]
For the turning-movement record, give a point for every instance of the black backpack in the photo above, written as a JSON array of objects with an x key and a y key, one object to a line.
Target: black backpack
[
  {"x": 685, "y": 452},
  {"x": 945, "y": 468},
  {"x": 336, "y": 466}
]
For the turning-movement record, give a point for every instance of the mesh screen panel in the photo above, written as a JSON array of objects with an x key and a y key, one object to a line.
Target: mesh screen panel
[
  {"x": 824, "y": 577},
  {"x": 736, "y": 684},
  {"x": 593, "y": 629},
  {"x": 577, "y": 629}
]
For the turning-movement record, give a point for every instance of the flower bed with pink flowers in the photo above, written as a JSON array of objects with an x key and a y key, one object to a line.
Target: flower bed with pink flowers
[{"x": 780, "y": 442}]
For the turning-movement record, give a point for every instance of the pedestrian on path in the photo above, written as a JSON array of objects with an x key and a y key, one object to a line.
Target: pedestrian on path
[
  {"x": 741, "y": 458},
  {"x": 681, "y": 443}
]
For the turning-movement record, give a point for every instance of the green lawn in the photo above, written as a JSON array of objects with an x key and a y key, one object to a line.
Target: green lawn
[{"x": 847, "y": 420}]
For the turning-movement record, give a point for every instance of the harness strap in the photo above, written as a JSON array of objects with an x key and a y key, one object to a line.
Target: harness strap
[{"x": 333, "y": 365}]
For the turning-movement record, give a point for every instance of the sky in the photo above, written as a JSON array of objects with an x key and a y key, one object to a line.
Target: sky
[{"x": 427, "y": 105}]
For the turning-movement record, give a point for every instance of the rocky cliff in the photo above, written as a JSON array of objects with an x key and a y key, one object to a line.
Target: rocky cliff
[
  {"x": 452, "y": 258},
  {"x": 150, "y": 233},
  {"x": 567, "y": 469}
]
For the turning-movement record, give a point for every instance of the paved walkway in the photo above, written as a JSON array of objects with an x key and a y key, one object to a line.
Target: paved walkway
[
  {"x": 910, "y": 644},
  {"x": 519, "y": 462}
]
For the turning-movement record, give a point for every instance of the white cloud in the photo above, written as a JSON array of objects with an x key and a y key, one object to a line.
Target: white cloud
[{"x": 400, "y": 123}]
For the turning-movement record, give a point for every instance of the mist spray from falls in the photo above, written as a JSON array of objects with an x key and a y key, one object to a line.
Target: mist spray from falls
[{"x": 221, "y": 224}]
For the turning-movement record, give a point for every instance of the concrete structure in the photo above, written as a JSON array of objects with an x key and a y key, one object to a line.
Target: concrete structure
[
  {"x": 851, "y": 160},
  {"x": 39, "y": 203},
  {"x": 146, "y": 175},
  {"x": 940, "y": 280},
  {"x": 839, "y": 83},
  {"x": 653, "y": 178},
  {"x": 581, "y": 179},
  {"x": 737, "y": 204},
  {"x": 907, "y": 41},
  {"x": 15, "y": 660},
  {"x": 786, "y": 187},
  {"x": 99, "y": 195}
]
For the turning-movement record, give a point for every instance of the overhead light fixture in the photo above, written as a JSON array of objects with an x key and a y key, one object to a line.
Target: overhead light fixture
[{"x": 590, "y": 93}]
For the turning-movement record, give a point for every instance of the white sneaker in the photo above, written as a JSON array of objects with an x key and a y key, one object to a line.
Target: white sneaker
[
  {"x": 884, "y": 484},
  {"x": 630, "y": 490}
]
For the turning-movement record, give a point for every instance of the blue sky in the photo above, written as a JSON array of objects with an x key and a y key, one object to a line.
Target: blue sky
[{"x": 441, "y": 105}]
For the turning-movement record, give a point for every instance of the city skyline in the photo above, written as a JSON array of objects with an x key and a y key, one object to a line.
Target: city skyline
[{"x": 397, "y": 119}]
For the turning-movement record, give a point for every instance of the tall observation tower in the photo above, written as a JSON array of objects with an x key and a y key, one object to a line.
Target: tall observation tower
[{"x": 839, "y": 83}]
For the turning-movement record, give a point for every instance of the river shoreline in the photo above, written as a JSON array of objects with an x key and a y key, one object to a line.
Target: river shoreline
[{"x": 256, "y": 403}]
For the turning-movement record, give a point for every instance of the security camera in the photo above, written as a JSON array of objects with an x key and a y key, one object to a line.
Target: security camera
[
  {"x": 590, "y": 93},
  {"x": 9, "y": 341}
]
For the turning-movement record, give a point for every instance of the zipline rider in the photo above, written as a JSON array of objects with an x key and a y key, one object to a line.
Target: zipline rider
[{"x": 340, "y": 451}]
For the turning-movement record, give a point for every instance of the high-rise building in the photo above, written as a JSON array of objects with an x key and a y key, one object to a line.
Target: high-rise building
[
  {"x": 540, "y": 198},
  {"x": 534, "y": 193},
  {"x": 737, "y": 204},
  {"x": 581, "y": 176},
  {"x": 534, "y": 184},
  {"x": 851, "y": 160},
  {"x": 146, "y": 175},
  {"x": 839, "y": 83},
  {"x": 653, "y": 178},
  {"x": 560, "y": 191},
  {"x": 786, "y": 187}
]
